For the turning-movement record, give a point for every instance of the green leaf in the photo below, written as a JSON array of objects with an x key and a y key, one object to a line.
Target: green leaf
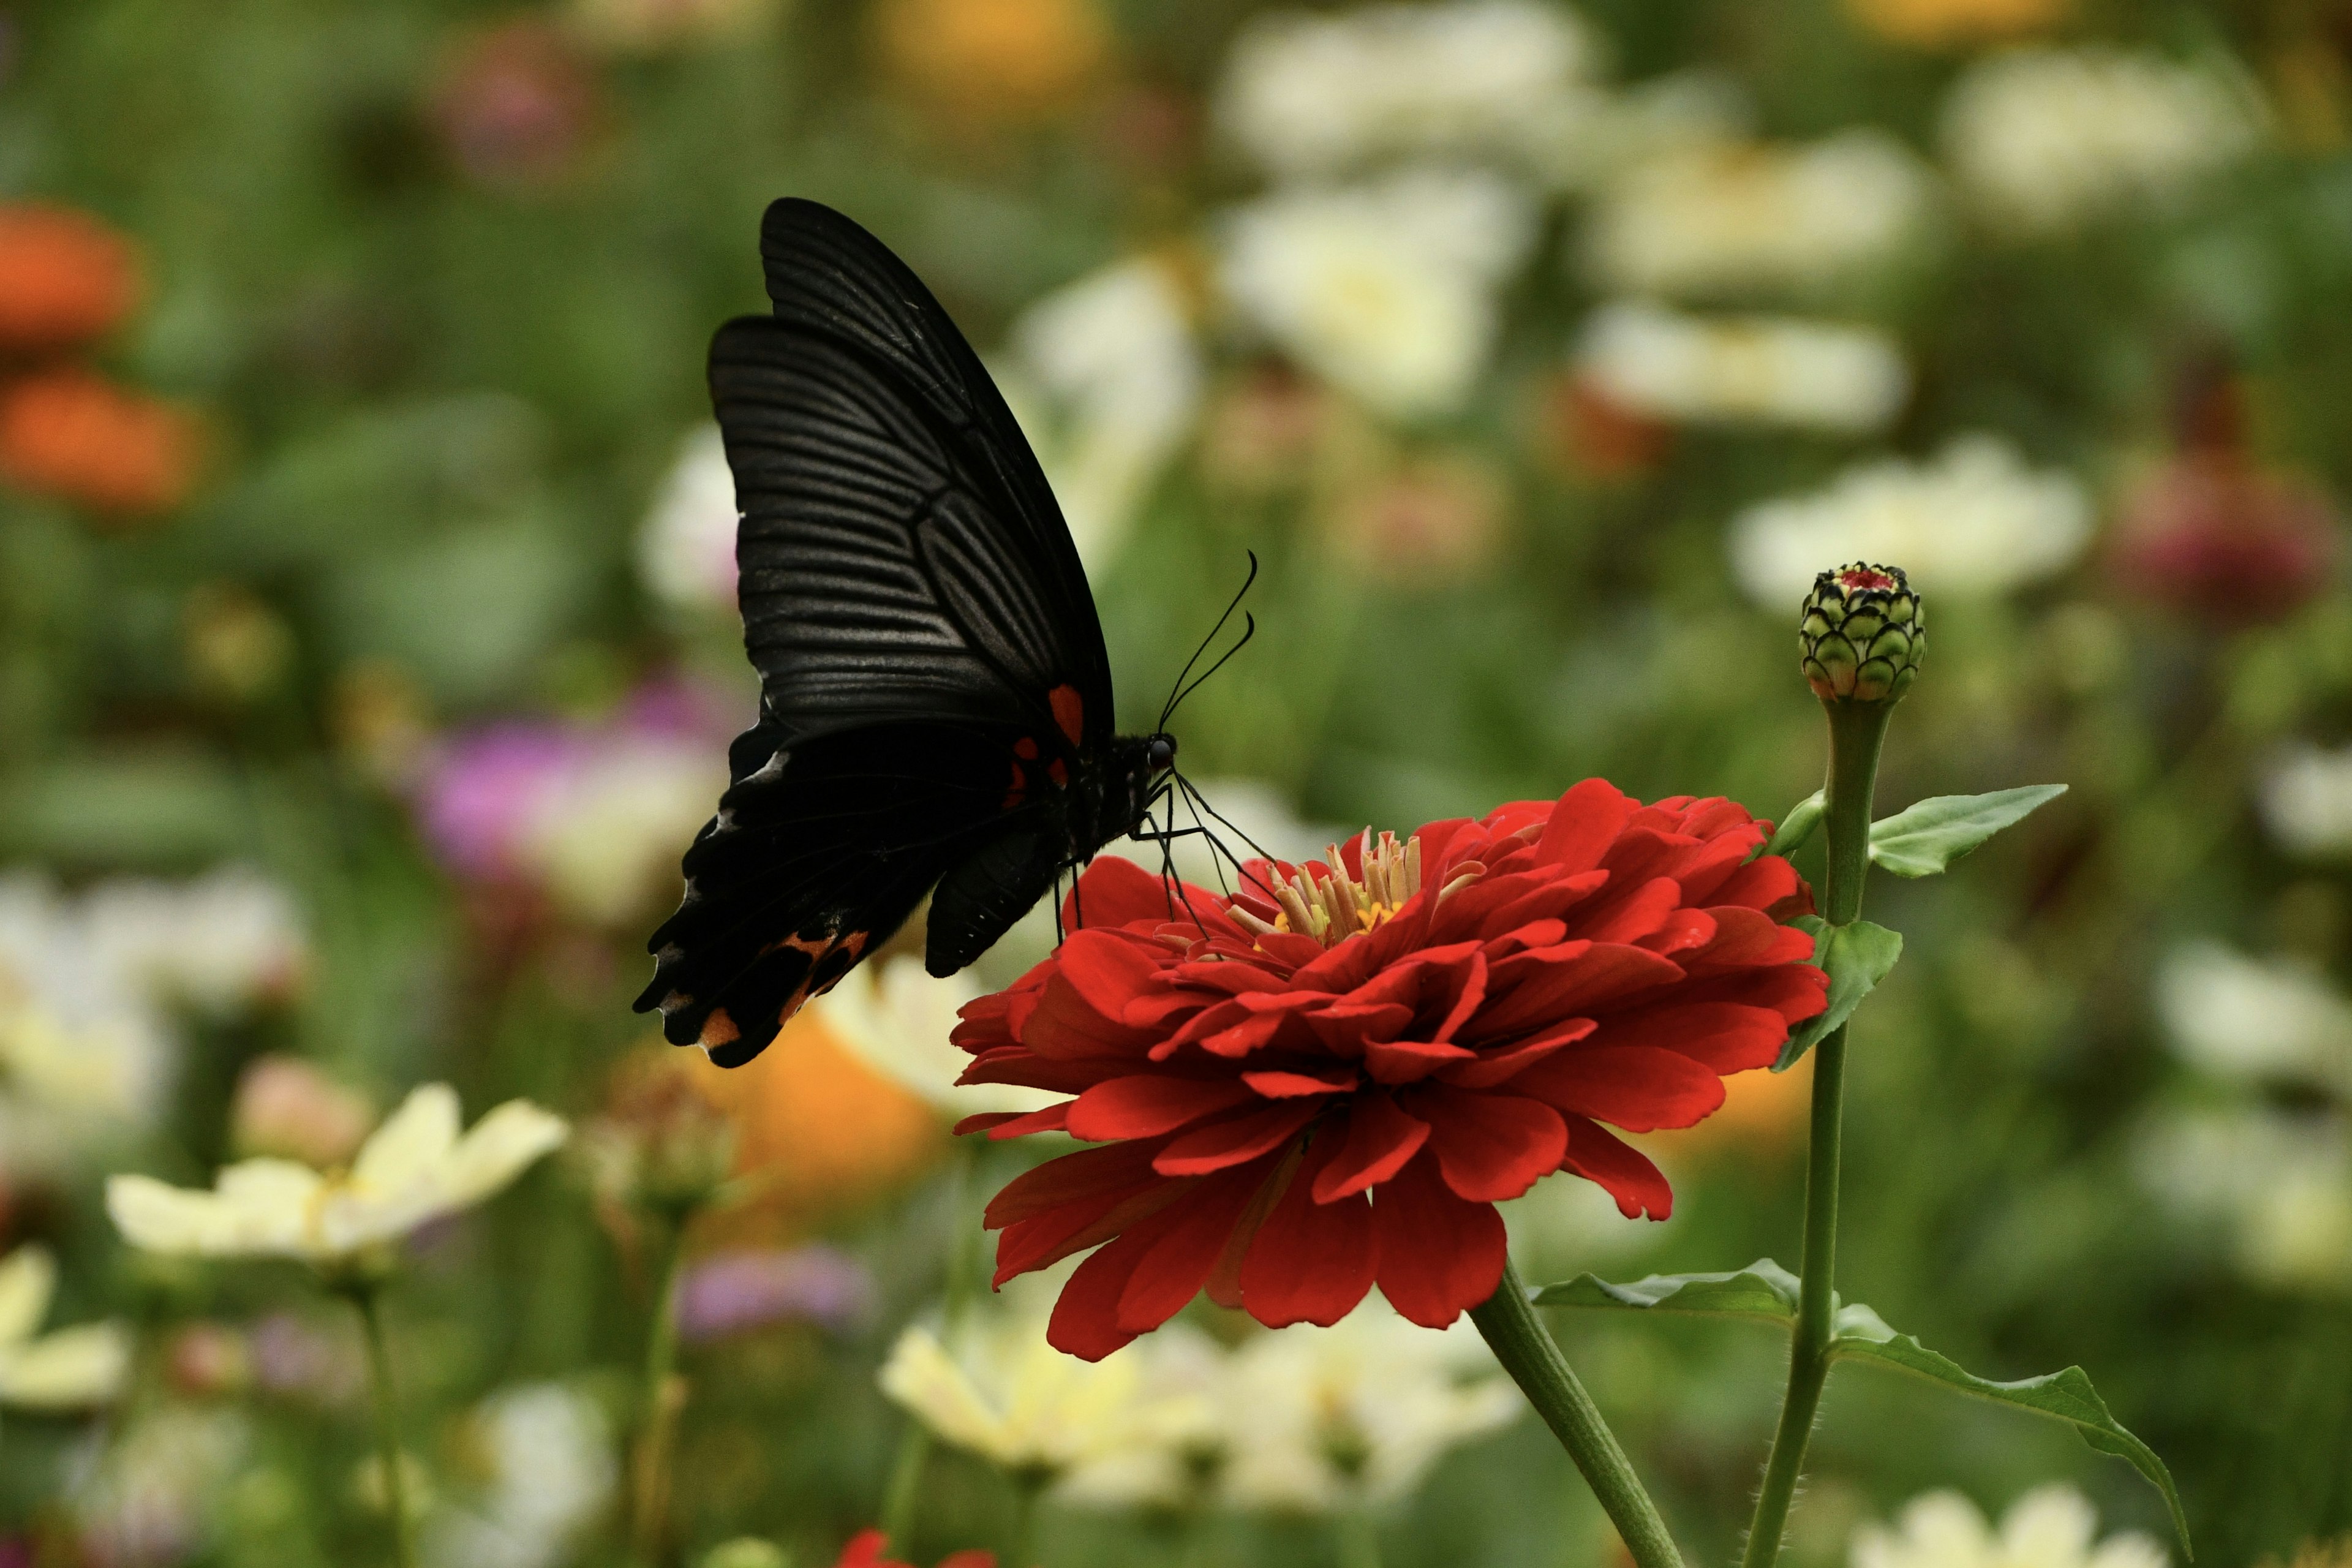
[
  {"x": 1763, "y": 1290},
  {"x": 1857, "y": 957},
  {"x": 1924, "y": 838},
  {"x": 1798, "y": 824},
  {"x": 2063, "y": 1396}
]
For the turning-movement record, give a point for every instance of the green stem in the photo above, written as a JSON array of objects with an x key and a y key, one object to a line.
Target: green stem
[
  {"x": 1535, "y": 1363},
  {"x": 664, "y": 1397},
  {"x": 1360, "y": 1542},
  {"x": 1857, "y": 729},
  {"x": 962, "y": 1273},
  {"x": 387, "y": 1423},
  {"x": 1027, "y": 1487}
]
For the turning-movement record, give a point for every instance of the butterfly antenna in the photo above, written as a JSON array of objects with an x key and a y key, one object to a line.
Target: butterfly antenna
[
  {"x": 1176, "y": 693},
  {"x": 1249, "y": 630}
]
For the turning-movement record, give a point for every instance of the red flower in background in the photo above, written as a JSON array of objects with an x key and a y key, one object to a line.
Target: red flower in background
[
  {"x": 865, "y": 1548},
  {"x": 65, "y": 278},
  {"x": 72, "y": 434},
  {"x": 1327, "y": 1081}
]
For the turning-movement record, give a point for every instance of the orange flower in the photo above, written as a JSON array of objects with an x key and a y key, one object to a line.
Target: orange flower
[
  {"x": 68, "y": 433},
  {"x": 825, "y": 1131},
  {"x": 1014, "y": 60},
  {"x": 65, "y": 277},
  {"x": 1943, "y": 24}
]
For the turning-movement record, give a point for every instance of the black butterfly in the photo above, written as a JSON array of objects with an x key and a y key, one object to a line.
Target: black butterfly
[{"x": 935, "y": 704}]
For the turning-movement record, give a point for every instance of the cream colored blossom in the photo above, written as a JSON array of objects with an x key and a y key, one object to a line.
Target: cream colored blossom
[
  {"x": 2049, "y": 1527},
  {"x": 686, "y": 547},
  {"x": 92, "y": 987},
  {"x": 1311, "y": 94},
  {"x": 1742, "y": 370},
  {"x": 63, "y": 1370},
  {"x": 1386, "y": 289},
  {"x": 2246, "y": 1018},
  {"x": 2047, "y": 139},
  {"x": 1972, "y": 520},
  {"x": 545, "y": 1473},
  {"x": 1003, "y": 1393},
  {"x": 608, "y": 829},
  {"x": 1105, "y": 378},
  {"x": 2273, "y": 1187},
  {"x": 895, "y": 1018},
  {"x": 1325, "y": 1418},
  {"x": 155, "y": 1493},
  {"x": 2306, "y": 800},
  {"x": 414, "y": 1168},
  {"x": 1722, "y": 217}
]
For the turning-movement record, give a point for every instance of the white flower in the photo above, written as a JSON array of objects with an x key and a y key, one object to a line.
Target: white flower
[
  {"x": 89, "y": 984},
  {"x": 1308, "y": 94},
  {"x": 2047, "y": 139},
  {"x": 2274, "y": 1187},
  {"x": 2306, "y": 800},
  {"x": 2049, "y": 1527},
  {"x": 60, "y": 1371},
  {"x": 414, "y": 1168},
  {"x": 148, "y": 1498},
  {"x": 1973, "y": 521},
  {"x": 686, "y": 549},
  {"x": 895, "y": 1018},
  {"x": 1385, "y": 289},
  {"x": 2241, "y": 1018},
  {"x": 1719, "y": 217},
  {"x": 548, "y": 1453},
  {"x": 607, "y": 829},
  {"x": 1006, "y": 1395},
  {"x": 1106, "y": 379},
  {"x": 1323, "y": 1418},
  {"x": 1760, "y": 370}
]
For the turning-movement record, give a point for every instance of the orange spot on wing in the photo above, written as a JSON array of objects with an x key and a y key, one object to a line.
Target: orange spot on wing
[
  {"x": 1025, "y": 747},
  {"x": 1058, "y": 773},
  {"x": 718, "y": 1029},
  {"x": 1069, "y": 712}
]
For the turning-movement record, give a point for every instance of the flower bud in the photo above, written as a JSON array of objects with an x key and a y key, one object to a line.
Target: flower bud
[{"x": 1863, "y": 635}]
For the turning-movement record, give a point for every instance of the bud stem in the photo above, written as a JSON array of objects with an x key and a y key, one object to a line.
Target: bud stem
[
  {"x": 363, "y": 1295},
  {"x": 1532, "y": 1358},
  {"x": 1857, "y": 729}
]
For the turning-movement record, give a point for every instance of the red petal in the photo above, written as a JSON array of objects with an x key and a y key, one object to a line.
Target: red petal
[
  {"x": 1747, "y": 938},
  {"x": 1138, "y": 1282},
  {"x": 1759, "y": 885},
  {"x": 1072, "y": 1178},
  {"x": 1290, "y": 1085},
  {"x": 1638, "y": 915},
  {"x": 1108, "y": 971},
  {"x": 1501, "y": 1065},
  {"x": 1146, "y": 1105},
  {"x": 1225, "y": 1143},
  {"x": 1311, "y": 1262},
  {"x": 1116, "y": 891},
  {"x": 970, "y": 1557},
  {"x": 1583, "y": 824},
  {"x": 1439, "y": 1255},
  {"x": 1544, "y": 989},
  {"x": 1490, "y": 1147},
  {"x": 1381, "y": 1138},
  {"x": 1638, "y": 1087},
  {"x": 1066, "y": 1026},
  {"x": 1724, "y": 1037},
  {"x": 863, "y": 1550},
  {"x": 1795, "y": 991},
  {"x": 1409, "y": 1061},
  {"x": 1001, "y": 1125},
  {"x": 1619, "y": 1169}
]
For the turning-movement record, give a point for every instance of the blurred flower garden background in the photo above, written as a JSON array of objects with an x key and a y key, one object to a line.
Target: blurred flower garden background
[{"x": 367, "y": 655}]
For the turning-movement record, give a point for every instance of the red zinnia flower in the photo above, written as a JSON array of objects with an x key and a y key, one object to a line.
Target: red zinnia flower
[
  {"x": 65, "y": 277},
  {"x": 864, "y": 1550},
  {"x": 69, "y": 434},
  {"x": 1328, "y": 1080}
]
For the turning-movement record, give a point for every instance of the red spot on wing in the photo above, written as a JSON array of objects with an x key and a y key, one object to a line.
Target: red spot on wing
[
  {"x": 1060, "y": 774},
  {"x": 1069, "y": 712},
  {"x": 1026, "y": 746}
]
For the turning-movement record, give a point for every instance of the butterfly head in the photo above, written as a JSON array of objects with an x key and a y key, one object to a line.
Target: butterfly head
[{"x": 1160, "y": 752}]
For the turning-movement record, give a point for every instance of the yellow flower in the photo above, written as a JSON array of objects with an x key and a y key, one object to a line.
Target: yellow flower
[
  {"x": 416, "y": 1167},
  {"x": 993, "y": 59},
  {"x": 75, "y": 1366},
  {"x": 1006, "y": 1394}
]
